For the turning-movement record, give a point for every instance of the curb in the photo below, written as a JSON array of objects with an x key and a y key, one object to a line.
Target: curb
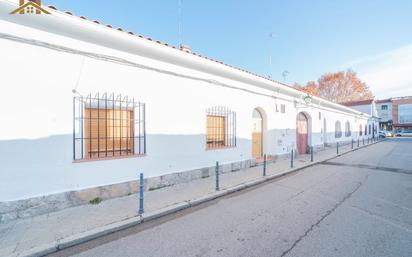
[{"x": 146, "y": 217}]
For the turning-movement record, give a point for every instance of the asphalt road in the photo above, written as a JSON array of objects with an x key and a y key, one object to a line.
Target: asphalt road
[{"x": 359, "y": 204}]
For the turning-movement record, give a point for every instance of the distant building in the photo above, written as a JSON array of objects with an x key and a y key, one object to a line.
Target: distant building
[
  {"x": 384, "y": 109},
  {"x": 402, "y": 113},
  {"x": 368, "y": 107}
]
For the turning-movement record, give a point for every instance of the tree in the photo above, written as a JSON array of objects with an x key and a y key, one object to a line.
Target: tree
[{"x": 338, "y": 87}]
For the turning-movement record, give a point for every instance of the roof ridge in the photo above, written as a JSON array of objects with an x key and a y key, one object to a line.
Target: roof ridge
[{"x": 173, "y": 47}]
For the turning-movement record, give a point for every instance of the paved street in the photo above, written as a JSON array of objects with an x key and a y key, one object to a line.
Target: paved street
[{"x": 359, "y": 204}]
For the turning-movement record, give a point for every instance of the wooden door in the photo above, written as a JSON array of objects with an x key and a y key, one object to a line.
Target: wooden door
[
  {"x": 257, "y": 144},
  {"x": 302, "y": 134},
  {"x": 257, "y": 137}
]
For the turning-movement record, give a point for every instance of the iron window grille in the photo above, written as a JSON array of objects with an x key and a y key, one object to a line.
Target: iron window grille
[
  {"x": 108, "y": 126},
  {"x": 360, "y": 130},
  {"x": 220, "y": 127},
  {"x": 370, "y": 129},
  {"x": 338, "y": 130}
]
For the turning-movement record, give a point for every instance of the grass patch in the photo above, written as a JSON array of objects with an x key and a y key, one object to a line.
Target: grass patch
[{"x": 96, "y": 200}]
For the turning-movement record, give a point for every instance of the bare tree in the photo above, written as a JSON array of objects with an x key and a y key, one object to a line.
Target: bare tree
[{"x": 338, "y": 87}]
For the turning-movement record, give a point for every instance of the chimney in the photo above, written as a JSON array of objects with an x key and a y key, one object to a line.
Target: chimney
[
  {"x": 21, "y": 2},
  {"x": 185, "y": 48}
]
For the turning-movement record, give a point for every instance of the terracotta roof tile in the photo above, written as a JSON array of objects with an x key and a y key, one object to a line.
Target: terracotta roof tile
[
  {"x": 358, "y": 102},
  {"x": 174, "y": 47}
]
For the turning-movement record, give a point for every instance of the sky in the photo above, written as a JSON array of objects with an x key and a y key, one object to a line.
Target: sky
[{"x": 305, "y": 38}]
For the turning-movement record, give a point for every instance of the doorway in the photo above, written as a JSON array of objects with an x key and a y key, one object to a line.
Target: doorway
[
  {"x": 325, "y": 132},
  {"x": 302, "y": 133},
  {"x": 257, "y": 134}
]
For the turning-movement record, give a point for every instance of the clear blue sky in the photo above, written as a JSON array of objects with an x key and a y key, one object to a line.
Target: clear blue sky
[{"x": 310, "y": 37}]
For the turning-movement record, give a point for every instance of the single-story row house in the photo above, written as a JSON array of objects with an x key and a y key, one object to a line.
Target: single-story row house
[{"x": 87, "y": 105}]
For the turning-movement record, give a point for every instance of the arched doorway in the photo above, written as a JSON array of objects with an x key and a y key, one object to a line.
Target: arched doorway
[
  {"x": 257, "y": 134},
  {"x": 302, "y": 133},
  {"x": 325, "y": 132}
]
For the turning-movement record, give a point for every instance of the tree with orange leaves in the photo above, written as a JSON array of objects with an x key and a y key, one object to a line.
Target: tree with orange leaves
[{"x": 338, "y": 87}]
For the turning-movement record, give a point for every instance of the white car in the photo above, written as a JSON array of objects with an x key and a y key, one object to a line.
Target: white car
[
  {"x": 384, "y": 133},
  {"x": 404, "y": 134}
]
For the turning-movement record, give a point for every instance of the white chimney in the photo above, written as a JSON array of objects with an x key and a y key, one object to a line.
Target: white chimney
[{"x": 185, "y": 48}]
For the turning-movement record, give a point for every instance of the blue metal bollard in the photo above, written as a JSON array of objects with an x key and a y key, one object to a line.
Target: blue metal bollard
[
  {"x": 141, "y": 195},
  {"x": 291, "y": 159},
  {"x": 311, "y": 153},
  {"x": 264, "y": 165},
  {"x": 217, "y": 177},
  {"x": 337, "y": 148}
]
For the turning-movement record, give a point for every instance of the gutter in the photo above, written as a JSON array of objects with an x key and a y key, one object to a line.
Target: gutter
[{"x": 73, "y": 27}]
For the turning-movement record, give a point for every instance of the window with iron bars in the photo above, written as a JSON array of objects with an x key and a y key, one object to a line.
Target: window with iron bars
[
  {"x": 220, "y": 128},
  {"x": 338, "y": 129},
  {"x": 348, "y": 131},
  {"x": 108, "y": 126}
]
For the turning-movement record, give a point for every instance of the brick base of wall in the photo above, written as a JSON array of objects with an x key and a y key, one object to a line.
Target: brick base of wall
[{"x": 35, "y": 206}]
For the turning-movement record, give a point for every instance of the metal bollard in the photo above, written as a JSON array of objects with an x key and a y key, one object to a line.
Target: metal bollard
[
  {"x": 141, "y": 194},
  {"x": 264, "y": 165},
  {"x": 352, "y": 143},
  {"x": 363, "y": 140},
  {"x": 337, "y": 148},
  {"x": 311, "y": 153},
  {"x": 358, "y": 142},
  {"x": 217, "y": 177},
  {"x": 368, "y": 140},
  {"x": 291, "y": 159}
]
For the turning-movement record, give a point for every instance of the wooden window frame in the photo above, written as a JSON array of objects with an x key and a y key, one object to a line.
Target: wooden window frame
[
  {"x": 108, "y": 127},
  {"x": 220, "y": 128}
]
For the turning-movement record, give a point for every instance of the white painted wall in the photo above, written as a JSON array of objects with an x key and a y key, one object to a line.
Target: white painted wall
[{"x": 37, "y": 110}]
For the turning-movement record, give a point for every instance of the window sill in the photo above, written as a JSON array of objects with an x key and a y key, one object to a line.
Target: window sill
[
  {"x": 220, "y": 148},
  {"x": 109, "y": 158}
]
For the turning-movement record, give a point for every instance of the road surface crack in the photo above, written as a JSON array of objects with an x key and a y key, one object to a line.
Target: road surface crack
[
  {"x": 386, "y": 219},
  {"x": 371, "y": 167},
  {"x": 329, "y": 212}
]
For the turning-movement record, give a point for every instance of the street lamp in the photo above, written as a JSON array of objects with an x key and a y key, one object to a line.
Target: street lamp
[{"x": 307, "y": 99}]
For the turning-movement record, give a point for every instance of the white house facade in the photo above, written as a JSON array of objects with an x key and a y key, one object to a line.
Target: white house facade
[
  {"x": 369, "y": 107},
  {"x": 86, "y": 105}
]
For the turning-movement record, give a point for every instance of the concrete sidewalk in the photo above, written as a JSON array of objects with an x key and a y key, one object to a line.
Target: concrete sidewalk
[{"x": 48, "y": 233}]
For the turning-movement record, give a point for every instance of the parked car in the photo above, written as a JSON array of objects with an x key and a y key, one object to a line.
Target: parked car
[
  {"x": 404, "y": 134},
  {"x": 384, "y": 133}
]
